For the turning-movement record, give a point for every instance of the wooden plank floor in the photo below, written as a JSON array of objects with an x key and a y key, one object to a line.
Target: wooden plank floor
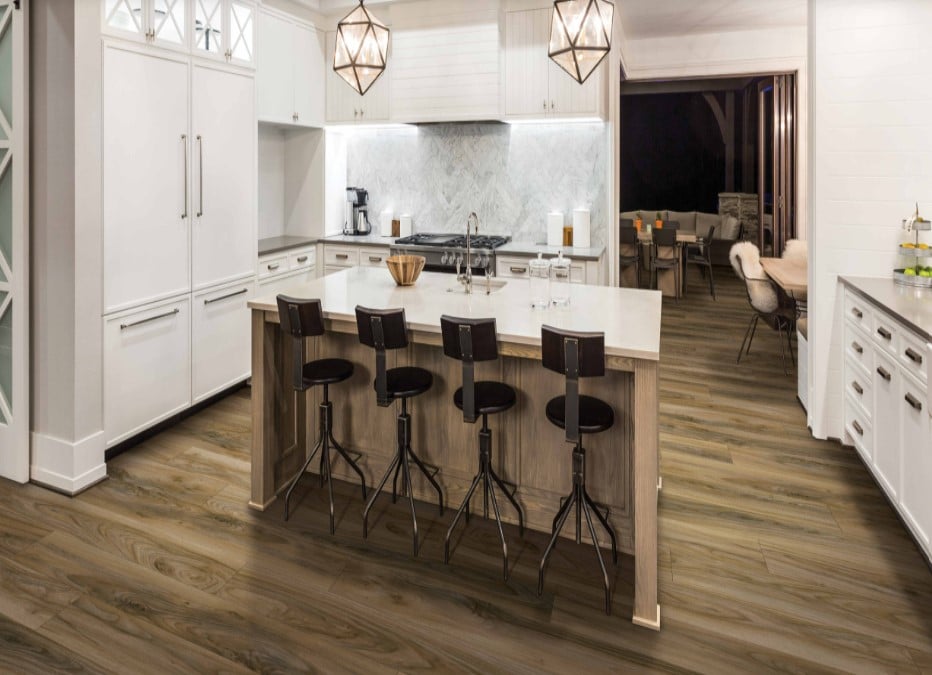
[{"x": 778, "y": 553}]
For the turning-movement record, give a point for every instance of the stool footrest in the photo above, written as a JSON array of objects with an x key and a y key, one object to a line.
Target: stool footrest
[{"x": 432, "y": 470}]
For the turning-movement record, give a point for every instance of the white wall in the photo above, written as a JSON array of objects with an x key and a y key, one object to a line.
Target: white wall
[{"x": 872, "y": 100}]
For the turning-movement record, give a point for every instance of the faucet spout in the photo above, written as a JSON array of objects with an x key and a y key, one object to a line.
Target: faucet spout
[{"x": 472, "y": 227}]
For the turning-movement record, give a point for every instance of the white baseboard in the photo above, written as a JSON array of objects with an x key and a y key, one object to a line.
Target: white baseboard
[{"x": 66, "y": 466}]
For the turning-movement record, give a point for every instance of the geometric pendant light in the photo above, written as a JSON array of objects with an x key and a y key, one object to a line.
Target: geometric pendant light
[
  {"x": 361, "y": 50},
  {"x": 581, "y": 35}
]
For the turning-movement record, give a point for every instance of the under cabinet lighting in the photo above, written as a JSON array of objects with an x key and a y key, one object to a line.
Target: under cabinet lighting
[
  {"x": 581, "y": 35},
  {"x": 541, "y": 121},
  {"x": 361, "y": 49}
]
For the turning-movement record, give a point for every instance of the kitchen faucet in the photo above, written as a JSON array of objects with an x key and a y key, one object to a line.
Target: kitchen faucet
[{"x": 472, "y": 227}]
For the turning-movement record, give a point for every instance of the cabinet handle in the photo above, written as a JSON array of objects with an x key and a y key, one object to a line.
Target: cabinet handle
[
  {"x": 913, "y": 356},
  {"x": 857, "y": 387},
  {"x": 226, "y": 297},
  {"x": 184, "y": 143},
  {"x": 858, "y": 313},
  {"x": 553, "y": 106},
  {"x": 856, "y": 347},
  {"x": 124, "y": 326},
  {"x": 375, "y": 258},
  {"x": 200, "y": 170},
  {"x": 274, "y": 267},
  {"x": 857, "y": 427},
  {"x": 302, "y": 259},
  {"x": 518, "y": 270},
  {"x": 342, "y": 256},
  {"x": 884, "y": 333},
  {"x": 914, "y": 402},
  {"x": 883, "y": 373},
  {"x": 545, "y": 104}
]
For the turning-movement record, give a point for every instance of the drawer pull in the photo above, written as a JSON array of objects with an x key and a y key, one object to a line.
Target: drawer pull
[
  {"x": 519, "y": 270},
  {"x": 124, "y": 326},
  {"x": 857, "y": 387},
  {"x": 857, "y": 427},
  {"x": 858, "y": 313},
  {"x": 375, "y": 259},
  {"x": 856, "y": 347},
  {"x": 884, "y": 333},
  {"x": 274, "y": 267},
  {"x": 302, "y": 259},
  {"x": 342, "y": 256},
  {"x": 226, "y": 297},
  {"x": 883, "y": 373},
  {"x": 914, "y": 402},
  {"x": 913, "y": 356}
]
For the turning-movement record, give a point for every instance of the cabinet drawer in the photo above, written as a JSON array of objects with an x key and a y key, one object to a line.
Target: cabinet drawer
[
  {"x": 221, "y": 339},
  {"x": 512, "y": 267},
  {"x": 271, "y": 265},
  {"x": 886, "y": 333},
  {"x": 147, "y": 367},
  {"x": 858, "y": 349},
  {"x": 373, "y": 257},
  {"x": 578, "y": 274},
  {"x": 858, "y": 313},
  {"x": 860, "y": 431},
  {"x": 858, "y": 387},
  {"x": 289, "y": 284},
  {"x": 301, "y": 259},
  {"x": 911, "y": 353},
  {"x": 341, "y": 256}
]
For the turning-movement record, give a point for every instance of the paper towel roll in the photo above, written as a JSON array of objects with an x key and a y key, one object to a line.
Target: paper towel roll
[
  {"x": 385, "y": 223},
  {"x": 581, "y": 233},
  {"x": 555, "y": 222},
  {"x": 407, "y": 225}
]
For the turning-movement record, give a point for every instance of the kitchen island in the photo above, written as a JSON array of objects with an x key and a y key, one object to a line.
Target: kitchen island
[{"x": 529, "y": 451}]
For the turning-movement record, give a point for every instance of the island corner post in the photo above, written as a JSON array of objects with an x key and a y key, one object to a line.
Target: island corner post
[{"x": 625, "y": 462}]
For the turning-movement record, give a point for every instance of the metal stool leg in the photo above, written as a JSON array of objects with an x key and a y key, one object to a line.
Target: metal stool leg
[
  {"x": 462, "y": 509},
  {"x": 365, "y": 513},
  {"x": 395, "y": 484},
  {"x": 598, "y": 552},
  {"x": 427, "y": 475},
  {"x": 406, "y": 473},
  {"x": 605, "y": 524},
  {"x": 553, "y": 542},
  {"x": 294, "y": 481},
  {"x": 349, "y": 460}
]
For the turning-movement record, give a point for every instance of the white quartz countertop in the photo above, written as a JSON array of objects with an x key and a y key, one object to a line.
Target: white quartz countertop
[
  {"x": 630, "y": 318},
  {"x": 531, "y": 249},
  {"x": 911, "y": 305},
  {"x": 361, "y": 240}
]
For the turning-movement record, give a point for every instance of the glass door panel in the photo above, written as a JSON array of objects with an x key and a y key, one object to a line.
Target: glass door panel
[
  {"x": 168, "y": 20},
  {"x": 208, "y": 26},
  {"x": 242, "y": 20},
  {"x": 125, "y": 15}
]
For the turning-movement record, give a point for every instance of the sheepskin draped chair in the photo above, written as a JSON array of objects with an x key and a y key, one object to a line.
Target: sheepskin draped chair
[
  {"x": 796, "y": 249},
  {"x": 766, "y": 299}
]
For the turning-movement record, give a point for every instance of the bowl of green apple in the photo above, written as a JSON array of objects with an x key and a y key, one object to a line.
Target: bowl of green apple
[{"x": 918, "y": 275}]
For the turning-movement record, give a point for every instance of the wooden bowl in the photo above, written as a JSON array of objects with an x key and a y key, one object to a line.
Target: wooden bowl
[{"x": 405, "y": 269}]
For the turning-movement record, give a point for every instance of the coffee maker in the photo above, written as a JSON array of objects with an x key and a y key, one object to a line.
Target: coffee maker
[{"x": 357, "y": 212}]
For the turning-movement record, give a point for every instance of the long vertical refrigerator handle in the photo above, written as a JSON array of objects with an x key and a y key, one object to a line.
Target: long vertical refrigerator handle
[
  {"x": 200, "y": 171},
  {"x": 184, "y": 143}
]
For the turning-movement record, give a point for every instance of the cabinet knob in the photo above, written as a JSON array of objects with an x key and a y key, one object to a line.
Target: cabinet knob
[{"x": 858, "y": 313}]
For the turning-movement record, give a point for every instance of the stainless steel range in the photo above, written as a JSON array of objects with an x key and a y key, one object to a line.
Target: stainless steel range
[{"x": 446, "y": 252}]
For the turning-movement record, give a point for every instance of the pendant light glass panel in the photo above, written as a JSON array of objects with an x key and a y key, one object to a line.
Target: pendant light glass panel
[
  {"x": 581, "y": 35},
  {"x": 361, "y": 50}
]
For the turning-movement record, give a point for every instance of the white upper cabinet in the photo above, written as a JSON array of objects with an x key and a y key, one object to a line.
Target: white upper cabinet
[
  {"x": 161, "y": 22},
  {"x": 537, "y": 87},
  {"x": 146, "y": 187},
  {"x": 224, "y": 160},
  {"x": 344, "y": 104},
  {"x": 225, "y": 30},
  {"x": 290, "y": 72}
]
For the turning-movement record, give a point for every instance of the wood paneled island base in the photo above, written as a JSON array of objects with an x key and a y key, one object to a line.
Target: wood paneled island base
[{"x": 528, "y": 450}]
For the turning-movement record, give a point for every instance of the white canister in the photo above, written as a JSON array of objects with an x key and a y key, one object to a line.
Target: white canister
[
  {"x": 555, "y": 222},
  {"x": 385, "y": 223},
  {"x": 406, "y": 225},
  {"x": 581, "y": 228}
]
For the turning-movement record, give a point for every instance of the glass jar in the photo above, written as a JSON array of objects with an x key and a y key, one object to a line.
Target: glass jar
[
  {"x": 539, "y": 275},
  {"x": 560, "y": 279}
]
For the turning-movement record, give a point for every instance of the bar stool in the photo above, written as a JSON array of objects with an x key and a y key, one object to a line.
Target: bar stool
[
  {"x": 469, "y": 341},
  {"x": 302, "y": 318},
  {"x": 382, "y": 330},
  {"x": 577, "y": 355}
]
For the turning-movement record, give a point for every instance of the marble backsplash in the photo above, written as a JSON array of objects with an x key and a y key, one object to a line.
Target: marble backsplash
[{"x": 512, "y": 176}]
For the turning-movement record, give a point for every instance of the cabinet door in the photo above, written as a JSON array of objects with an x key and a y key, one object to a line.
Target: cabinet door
[
  {"x": 309, "y": 88},
  {"x": 526, "y": 62},
  {"x": 241, "y": 32},
  {"x": 145, "y": 190},
  {"x": 126, "y": 18},
  {"x": 275, "y": 68},
  {"x": 147, "y": 367},
  {"x": 916, "y": 495},
  {"x": 224, "y": 236},
  {"x": 169, "y": 23},
  {"x": 340, "y": 106},
  {"x": 568, "y": 97},
  {"x": 221, "y": 339},
  {"x": 208, "y": 28},
  {"x": 887, "y": 412}
]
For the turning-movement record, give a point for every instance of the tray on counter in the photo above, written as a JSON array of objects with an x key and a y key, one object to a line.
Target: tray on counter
[
  {"x": 914, "y": 252},
  {"x": 905, "y": 280}
]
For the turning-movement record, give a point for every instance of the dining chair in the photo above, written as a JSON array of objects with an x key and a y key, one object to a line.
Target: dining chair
[
  {"x": 700, "y": 255},
  {"x": 629, "y": 252},
  {"x": 665, "y": 255}
]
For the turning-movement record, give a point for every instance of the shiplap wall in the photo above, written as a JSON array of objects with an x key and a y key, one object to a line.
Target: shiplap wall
[
  {"x": 446, "y": 60},
  {"x": 872, "y": 110}
]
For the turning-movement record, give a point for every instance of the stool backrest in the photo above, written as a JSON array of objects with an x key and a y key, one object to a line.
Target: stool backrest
[
  {"x": 381, "y": 329},
  {"x": 300, "y": 318},
  {"x": 574, "y": 355},
  {"x": 469, "y": 340}
]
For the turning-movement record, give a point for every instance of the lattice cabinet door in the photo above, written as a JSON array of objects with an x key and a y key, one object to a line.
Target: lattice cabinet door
[
  {"x": 127, "y": 18},
  {"x": 14, "y": 299},
  {"x": 209, "y": 38},
  {"x": 241, "y": 19},
  {"x": 160, "y": 22},
  {"x": 169, "y": 22}
]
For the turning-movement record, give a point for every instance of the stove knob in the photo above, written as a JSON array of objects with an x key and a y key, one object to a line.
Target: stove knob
[
  {"x": 443, "y": 258},
  {"x": 477, "y": 260},
  {"x": 485, "y": 262},
  {"x": 459, "y": 258}
]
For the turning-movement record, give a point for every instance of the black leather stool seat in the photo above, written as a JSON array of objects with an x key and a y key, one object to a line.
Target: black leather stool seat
[
  {"x": 407, "y": 381},
  {"x": 327, "y": 371},
  {"x": 595, "y": 415},
  {"x": 491, "y": 397}
]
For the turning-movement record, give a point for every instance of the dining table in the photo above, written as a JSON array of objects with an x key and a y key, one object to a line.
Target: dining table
[
  {"x": 790, "y": 274},
  {"x": 666, "y": 282}
]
